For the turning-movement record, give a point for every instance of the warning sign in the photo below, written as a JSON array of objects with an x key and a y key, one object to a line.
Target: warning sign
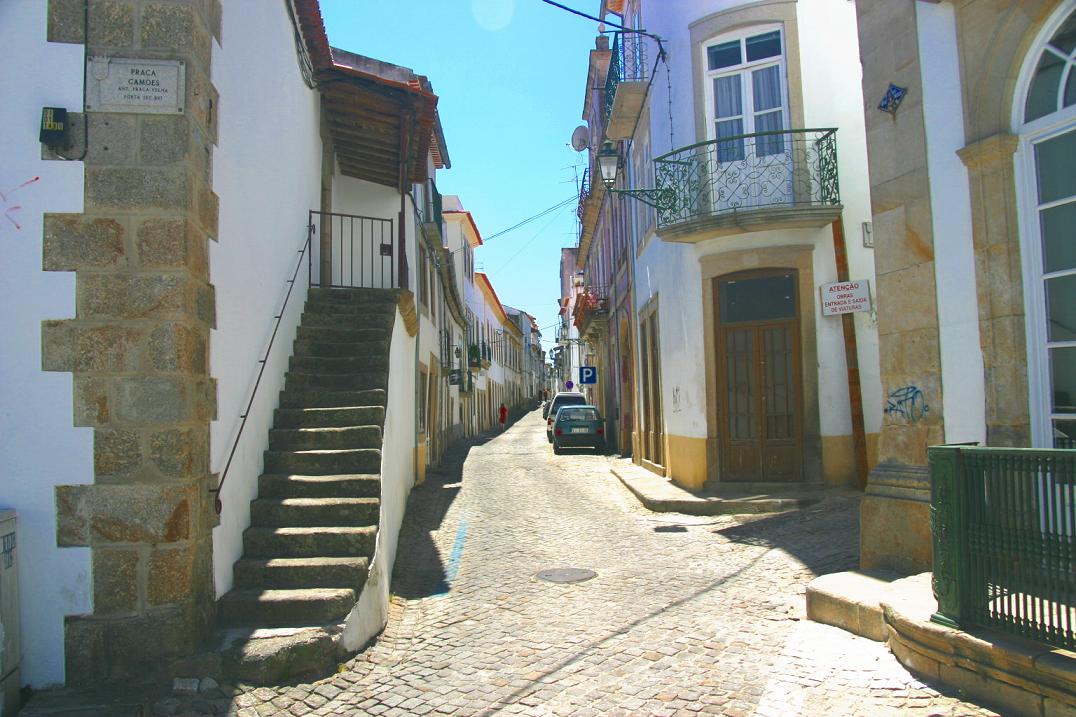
[{"x": 845, "y": 297}]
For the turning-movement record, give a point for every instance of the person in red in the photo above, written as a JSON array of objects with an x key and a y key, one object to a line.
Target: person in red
[{"x": 504, "y": 415}]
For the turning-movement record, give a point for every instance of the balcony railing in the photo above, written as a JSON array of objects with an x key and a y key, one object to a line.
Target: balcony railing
[
  {"x": 627, "y": 64},
  {"x": 591, "y": 303},
  {"x": 584, "y": 194},
  {"x": 1004, "y": 530},
  {"x": 793, "y": 169}
]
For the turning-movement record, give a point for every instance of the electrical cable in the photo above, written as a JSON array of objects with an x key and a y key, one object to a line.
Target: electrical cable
[
  {"x": 600, "y": 21},
  {"x": 527, "y": 243},
  {"x": 528, "y": 220}
]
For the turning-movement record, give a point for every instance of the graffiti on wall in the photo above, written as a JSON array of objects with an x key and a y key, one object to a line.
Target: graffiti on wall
[
  {"x": 7, "y": 203},
  {"x": 908, "y": 403},
  {"x": 676, "y": 399}
]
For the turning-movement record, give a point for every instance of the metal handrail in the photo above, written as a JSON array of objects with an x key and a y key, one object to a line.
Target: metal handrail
[{"x": 218, "y": 505}]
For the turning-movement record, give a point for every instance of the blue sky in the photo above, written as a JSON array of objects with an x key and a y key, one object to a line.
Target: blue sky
[{"x": 511, "y": 78}]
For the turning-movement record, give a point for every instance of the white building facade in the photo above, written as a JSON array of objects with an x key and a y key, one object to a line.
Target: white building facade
[{"x": 754, "y": 198}]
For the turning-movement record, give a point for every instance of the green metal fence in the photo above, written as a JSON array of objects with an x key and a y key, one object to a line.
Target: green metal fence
[
  {"x": 791, "y": 168},
  {"x": 1004, "y": 529}
]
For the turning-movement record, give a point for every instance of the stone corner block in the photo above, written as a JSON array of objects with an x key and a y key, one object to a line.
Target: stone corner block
[
  {"x": 107, "y": 514},
  {"x": 153, "y": 399},
  {"x": 115, "y": 580},
  {"x": 76, "y": 241}
]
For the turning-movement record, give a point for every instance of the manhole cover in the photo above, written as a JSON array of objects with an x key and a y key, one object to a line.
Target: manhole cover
[{"x": 566, "y": 575}]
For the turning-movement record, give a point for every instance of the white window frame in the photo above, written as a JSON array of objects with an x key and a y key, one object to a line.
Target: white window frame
[
  {"x": 1040, "y": 390},
  {"x": 744, "y": 69}
]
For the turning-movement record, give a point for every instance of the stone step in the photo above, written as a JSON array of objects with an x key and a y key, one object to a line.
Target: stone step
[
  {"x": 278, "y": 485},
  {"x": 272, "y": 656},
  {"x": 366, "y": 320},
  {"x": 251, "y": 573},
  {"x": 298, "y": 439},
  {"x": 357, "y": 295},
  {"x": 363, "y": 381},
  {"x": 330, "y": 349},
  {"x": 281, "y": 608},
  {"x": 324, "y": 462},
  {"x": 322, "y": 398},
  {"x": 329, "y": 365},
  {"x": 322, "y": 334},
  {"x": 329, "y": 417},
  {"x": 309, "y": 542},
  {"x": 349, "y": 308},
  {"x": 313, "y": 512}
]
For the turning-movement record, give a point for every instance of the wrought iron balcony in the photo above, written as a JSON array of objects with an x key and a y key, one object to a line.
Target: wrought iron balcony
[
  {"x": 752, "y": 182},
  {"x": 584, "y": 194},
  {"x": 591, "y": 309},
  {"x": 625, "y": 84}
]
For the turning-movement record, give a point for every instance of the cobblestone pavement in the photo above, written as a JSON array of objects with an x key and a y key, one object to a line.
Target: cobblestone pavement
[{"x": 687, "y": 615}]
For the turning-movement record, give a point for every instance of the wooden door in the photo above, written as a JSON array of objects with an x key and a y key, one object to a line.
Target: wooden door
[{"x": 759, "y": 377}]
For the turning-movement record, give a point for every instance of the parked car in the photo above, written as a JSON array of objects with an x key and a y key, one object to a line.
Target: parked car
[
  {"x": 563, "y": 398},
  {"x": 578, "y": 426}
]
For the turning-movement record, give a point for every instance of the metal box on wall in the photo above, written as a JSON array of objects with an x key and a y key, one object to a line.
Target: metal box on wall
[{"x": 9, "y": 616}]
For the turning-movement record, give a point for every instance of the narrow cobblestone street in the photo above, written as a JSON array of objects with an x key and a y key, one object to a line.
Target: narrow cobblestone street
[{"x": 687, "y": 615}]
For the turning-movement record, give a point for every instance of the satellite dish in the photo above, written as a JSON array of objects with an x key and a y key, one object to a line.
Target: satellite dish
[{"x": 580, "y": 138}]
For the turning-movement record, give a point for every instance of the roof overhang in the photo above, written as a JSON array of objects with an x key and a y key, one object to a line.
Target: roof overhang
[
  {"x": 474, "y": 238},
  {"x": 382, "y": 118}
]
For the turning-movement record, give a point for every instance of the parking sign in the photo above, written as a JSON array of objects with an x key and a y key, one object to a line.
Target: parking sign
[{"x": 588, "y": 374}]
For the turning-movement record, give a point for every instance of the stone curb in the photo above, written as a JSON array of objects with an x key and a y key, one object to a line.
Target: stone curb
[
  {"x": 1022, "y": 676},
  {"x": 661, "y": 496}
]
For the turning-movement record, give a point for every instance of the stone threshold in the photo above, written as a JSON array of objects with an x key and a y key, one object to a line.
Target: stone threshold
[
  {"x": 661, "y": 495},
  {"x": 1019, "y": 676}
]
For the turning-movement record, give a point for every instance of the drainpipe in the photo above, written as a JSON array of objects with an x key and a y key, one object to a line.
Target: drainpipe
[{"x": 851, "y": 354}]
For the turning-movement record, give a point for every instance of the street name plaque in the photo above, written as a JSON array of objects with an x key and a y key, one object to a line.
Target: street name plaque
[{"x": 118, "y": 84}]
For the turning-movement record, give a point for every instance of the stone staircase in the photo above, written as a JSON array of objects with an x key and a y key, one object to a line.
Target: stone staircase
[{"x": 314, "y": 523}]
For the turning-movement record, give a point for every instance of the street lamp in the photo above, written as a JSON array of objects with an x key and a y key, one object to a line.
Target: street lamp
[
  {"x": 608, "y": 163},
  {"x": 609, "y": 166}
]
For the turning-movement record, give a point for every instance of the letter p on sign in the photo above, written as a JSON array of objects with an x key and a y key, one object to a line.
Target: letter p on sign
[{"x": 588, "y": 374}]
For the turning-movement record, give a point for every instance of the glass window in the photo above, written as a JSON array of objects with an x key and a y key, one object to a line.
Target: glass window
[
  {"x": 1059, "y": 238},
  {"x": 1042, "y": 99},
  {"x": 762, "y": 46},
  {"x": 578, "y": 414},
  {"x": 1056, "y": 168},
  {"x": 748, "y": 95},
  {"x": 726, "y": 54},
  {"x": 1063, "y": 371},
  {"x": 761, "y": 299},
  {"x": 1061, "y": 308},
  {"x": 1055, "y": 63}
]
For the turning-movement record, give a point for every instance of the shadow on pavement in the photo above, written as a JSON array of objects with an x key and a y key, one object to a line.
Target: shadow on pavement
[
  {"x": 793, "y": 531},
  {"x": 419, "y": 571}
]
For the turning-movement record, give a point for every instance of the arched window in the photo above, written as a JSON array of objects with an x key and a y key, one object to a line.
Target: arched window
[{"x": 1046, "y": 117}]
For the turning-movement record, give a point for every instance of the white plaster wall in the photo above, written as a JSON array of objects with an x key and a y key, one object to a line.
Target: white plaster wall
[
  {"x": 963, "y": 373},
  {"x": 367, "y": 199},
  {"x": 833, "y": 97},
  {"x": 831, "y": 72},
  {"x": 370, "y": 614},
  {"x": 39, "y": 447},
  {"x": 267, "y": 173}
]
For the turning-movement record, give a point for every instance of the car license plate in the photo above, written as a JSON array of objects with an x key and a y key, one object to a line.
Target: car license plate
[{"x": 579, "y": 430}]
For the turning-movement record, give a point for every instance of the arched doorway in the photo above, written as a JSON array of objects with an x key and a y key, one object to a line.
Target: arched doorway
[{"x": 1045, "y": 118}]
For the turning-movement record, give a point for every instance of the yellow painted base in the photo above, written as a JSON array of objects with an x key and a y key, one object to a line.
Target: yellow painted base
[
  {"x": 420, "y": 461},
  {"x": 839, "y": 459},
  {"x": 685, "y": 461}
]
